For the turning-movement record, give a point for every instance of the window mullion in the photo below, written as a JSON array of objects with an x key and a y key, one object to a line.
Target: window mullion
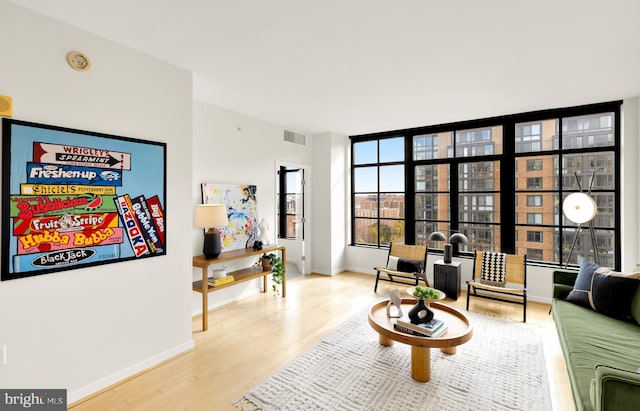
[
  {"x": 508, "y": 185},
  {"x": 454, "y": 194},
  {"x": 583, "y": 139},
  {"x": 409, "y": 192}
]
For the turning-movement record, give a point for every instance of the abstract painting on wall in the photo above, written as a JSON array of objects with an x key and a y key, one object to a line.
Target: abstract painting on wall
[
  {"x": 73, "y": 198},
  {"x": 242, "y": 210}
]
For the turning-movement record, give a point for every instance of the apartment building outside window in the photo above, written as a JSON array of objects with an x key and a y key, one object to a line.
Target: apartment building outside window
[
  {"x": 500, "y": 181},
  {"x": 378, "y": 191}
]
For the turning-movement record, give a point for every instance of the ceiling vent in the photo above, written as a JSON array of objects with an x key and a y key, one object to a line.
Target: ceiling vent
[{"x": 294, "y": 137}]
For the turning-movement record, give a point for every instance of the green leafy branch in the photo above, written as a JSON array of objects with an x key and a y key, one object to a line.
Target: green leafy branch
[{"x": 277, "y": 269}]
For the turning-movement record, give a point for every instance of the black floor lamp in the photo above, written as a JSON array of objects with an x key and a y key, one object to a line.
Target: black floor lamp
[{"x": 581, "y": 208}]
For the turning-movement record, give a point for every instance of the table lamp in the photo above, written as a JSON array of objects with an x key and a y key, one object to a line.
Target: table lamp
[
  {"x": 210, "y": 217},
  {"x": 455, "y": 238}
]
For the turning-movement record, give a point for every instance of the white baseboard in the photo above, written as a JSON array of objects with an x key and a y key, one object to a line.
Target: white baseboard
[{"x": 105, "y": 382}]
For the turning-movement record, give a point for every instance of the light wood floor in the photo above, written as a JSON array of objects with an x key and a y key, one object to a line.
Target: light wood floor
[{"x": 251, "y": 338}]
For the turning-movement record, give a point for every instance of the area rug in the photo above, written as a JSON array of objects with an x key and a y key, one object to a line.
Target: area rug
[{"x": 502, "y": 367}]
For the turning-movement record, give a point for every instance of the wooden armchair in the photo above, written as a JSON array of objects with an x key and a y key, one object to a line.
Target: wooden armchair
[
  {"x": 499, "y": 277},
  {"x": 404, "y": 263}
]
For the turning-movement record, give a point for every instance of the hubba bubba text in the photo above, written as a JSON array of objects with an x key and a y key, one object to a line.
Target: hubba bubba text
[{"x": 53, "y": 238}]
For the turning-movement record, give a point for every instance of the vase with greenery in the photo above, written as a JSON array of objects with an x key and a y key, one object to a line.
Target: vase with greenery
[{"x": 274, "y": 263}]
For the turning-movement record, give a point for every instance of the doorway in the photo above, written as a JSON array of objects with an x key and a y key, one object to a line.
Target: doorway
[{"x": 292, "y": 206}]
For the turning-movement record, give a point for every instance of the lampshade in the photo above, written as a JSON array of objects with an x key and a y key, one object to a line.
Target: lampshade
[
  {"x": 455, "y": 238},
  {"x": 458, "y": 238},
  {"x": 579, "y": 208},
  {"x": 211, "y": 215}
]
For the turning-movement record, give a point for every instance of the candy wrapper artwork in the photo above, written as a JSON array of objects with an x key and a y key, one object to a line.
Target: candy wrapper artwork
[{"x": 73, "y": 198}]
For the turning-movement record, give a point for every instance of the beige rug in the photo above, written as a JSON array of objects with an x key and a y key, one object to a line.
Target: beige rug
[{"x": 501, "y": 368}]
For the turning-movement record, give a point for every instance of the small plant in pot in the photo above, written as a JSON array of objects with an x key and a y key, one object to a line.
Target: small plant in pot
[{"x": 274, "y": 263}]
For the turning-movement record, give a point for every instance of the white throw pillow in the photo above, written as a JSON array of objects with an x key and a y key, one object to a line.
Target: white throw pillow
[{"x": 392, "y": 264}]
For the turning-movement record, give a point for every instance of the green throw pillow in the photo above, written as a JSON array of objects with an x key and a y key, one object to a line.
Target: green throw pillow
[{"x": 604, "y": 290}]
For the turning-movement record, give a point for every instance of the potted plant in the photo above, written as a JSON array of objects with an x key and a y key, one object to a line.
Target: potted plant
[{"x": 274, "y": 263}]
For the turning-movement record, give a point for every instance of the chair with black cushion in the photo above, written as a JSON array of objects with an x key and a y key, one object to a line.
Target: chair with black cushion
[
  {"x": 405, "y": 264},
  {"x": 499, "y": 277}
]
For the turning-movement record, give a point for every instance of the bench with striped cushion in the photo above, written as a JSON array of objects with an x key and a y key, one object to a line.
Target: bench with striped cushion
[{"x": 499, "y": 277}]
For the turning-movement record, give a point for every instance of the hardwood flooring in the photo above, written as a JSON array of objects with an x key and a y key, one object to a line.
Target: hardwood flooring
[{"x": 251, "y": 338}]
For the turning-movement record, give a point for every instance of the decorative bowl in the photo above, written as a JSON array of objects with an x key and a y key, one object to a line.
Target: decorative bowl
[{"x": 410, "y": 291}]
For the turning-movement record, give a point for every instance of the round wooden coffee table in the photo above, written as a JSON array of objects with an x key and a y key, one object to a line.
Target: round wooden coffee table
[{"x": 459, "y": 331}]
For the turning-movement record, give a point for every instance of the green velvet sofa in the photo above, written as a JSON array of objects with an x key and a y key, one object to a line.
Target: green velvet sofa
[{"x": 602, "y": 353}]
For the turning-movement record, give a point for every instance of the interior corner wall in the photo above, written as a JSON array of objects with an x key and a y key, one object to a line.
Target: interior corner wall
[
  {"x": 630, "y": 194},
  {"x": 88, "y": 328},
  {"x": 635, "y": 251},
  {"x": 233, "y": 148},
  {"x": 330, "y": 203},
  {"x": 321, "y": 206},
  {"x": 339, "y": 203}
]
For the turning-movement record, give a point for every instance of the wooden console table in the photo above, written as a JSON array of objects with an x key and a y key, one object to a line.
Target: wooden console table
[{"x": 240, "y": 276}]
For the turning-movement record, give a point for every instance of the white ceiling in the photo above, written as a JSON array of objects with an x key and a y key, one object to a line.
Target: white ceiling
[{"x": 359, "y": 66}]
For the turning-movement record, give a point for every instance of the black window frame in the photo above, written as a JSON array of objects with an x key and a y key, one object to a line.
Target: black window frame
[
  {"x": 507, "y": 159},
  {"x": 283, "y": 196},
  {"x": 378, "y": 164}
]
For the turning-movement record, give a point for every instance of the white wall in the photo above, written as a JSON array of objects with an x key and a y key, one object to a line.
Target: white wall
[
  {"x": 330, "y": 203},
  {"x": 232, "y": 148},
  {"x": 340, "y": 203},
  {"x": 630, "y": 194},
  {"x": 321, "y": 207},
  {"x": 88, "y": 328}
]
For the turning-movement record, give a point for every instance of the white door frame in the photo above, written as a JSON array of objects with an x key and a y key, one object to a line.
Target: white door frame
[{"x": 305, "y": 251}]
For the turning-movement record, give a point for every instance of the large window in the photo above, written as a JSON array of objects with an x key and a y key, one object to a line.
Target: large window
[
  {"x": 378, "y": 191},
  {"x": 500, "y": 181}
]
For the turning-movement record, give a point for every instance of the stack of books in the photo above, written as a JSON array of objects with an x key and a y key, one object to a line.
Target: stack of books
[
  {"x": 433, "y": 328},
  {"x": 215, "y": 282}
]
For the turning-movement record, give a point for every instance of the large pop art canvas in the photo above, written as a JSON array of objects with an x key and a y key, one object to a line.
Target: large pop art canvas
[
  {"x": 242, "y": 211},
  {"x": 73, "y": 198}
]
